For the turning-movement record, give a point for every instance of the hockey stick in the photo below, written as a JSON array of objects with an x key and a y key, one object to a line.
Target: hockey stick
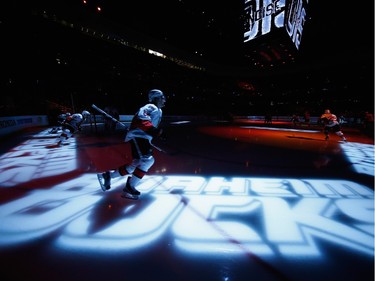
[
  {"x": 107, "y": 115},
  {"x": 117, "y": 121}
]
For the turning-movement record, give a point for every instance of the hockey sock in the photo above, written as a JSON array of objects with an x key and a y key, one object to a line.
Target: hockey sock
[
  {"x": 134, "y": 180},
  {"x": 340, "y": 134},
  {"x": 137, "y": 176},
  {"x": 114, "y": 174},
  {"x": 122, "y": 171}
]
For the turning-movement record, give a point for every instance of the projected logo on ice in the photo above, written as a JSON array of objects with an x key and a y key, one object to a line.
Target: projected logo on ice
[
  {"x": 198, "y": 215},
  {"x": 32, "y": 160},
  {"x": 266, "y": 216}
]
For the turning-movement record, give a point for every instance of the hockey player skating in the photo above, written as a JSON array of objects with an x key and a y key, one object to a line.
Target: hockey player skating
[
  {"x": 330, "y": 123},
  {"x": 143, "y": 128},
  {"x": 71, "y": 125},
  {"x": 60, "y": 119}
]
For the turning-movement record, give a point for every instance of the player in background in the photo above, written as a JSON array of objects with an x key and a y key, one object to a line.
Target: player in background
[
  {"x": 71, "y": 125},
  {"x": 330, "y": 123},
  {"x": 60, "y": 119},
  {"x": 144, "y": 126}
]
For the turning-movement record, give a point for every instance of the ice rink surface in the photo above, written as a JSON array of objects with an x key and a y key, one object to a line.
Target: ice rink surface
[{"x": 224, "y": 201}]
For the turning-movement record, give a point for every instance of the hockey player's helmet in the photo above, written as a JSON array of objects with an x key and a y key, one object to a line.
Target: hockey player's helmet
[
  {"x": 85, "y": 113},
  {"x": 155, "y": 93}
]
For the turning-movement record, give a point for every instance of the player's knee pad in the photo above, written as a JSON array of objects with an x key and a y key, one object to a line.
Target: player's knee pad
[
  {"x": 67, "y": 133},
  {"x": 129, "y": 168},
  {"x": 133, "y": 165},
  {"x": 146, "y": 162}
]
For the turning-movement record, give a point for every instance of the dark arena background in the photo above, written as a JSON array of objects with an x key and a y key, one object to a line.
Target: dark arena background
[{"x": 244, "y": 186}]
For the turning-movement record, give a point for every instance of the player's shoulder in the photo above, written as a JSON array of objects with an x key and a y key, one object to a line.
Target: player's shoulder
[{"x": 150, "y": 107}]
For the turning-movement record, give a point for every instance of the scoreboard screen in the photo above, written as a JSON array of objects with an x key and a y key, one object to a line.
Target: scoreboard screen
[
  {"x": 295, "y": 19},
  {"x": 265, "y": 16}
]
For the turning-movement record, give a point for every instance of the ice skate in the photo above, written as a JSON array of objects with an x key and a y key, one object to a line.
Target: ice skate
[
  {"x": 104, "y": 180},
  {"x": 129, "y": 195},
  {"x": 55, "y": 145},
  {"x": 129, "y": 191}
]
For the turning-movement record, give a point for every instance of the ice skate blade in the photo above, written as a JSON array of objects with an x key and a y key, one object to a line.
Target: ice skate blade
[
  {"x": 53, "y": 146},
  {"x": 129, "y": 196}
]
